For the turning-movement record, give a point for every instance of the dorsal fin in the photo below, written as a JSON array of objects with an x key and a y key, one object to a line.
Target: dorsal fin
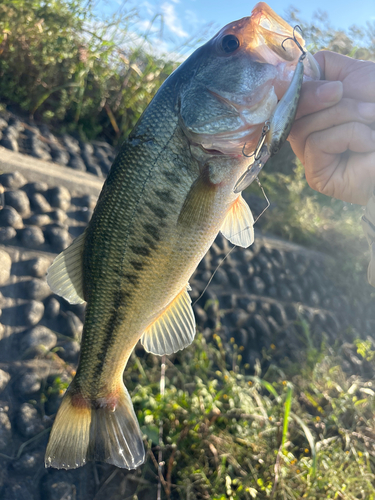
[
  {"x": 238, "y": 224},
  {"x": 64, "y": 276},
  {"x": 174, "y": 329}
]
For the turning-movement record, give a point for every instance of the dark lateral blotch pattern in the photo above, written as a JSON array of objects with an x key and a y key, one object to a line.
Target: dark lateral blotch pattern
[
  {"x": 138, "y": 250},
  {"x": 158, "y": 211},
  {"x": 138, "y": 266},
  {"x": 165, "y": 196},
  {"x": 153, "y": 231}
]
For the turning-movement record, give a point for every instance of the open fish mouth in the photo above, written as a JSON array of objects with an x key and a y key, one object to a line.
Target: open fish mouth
[
  {"x": 259, "y": 73},
  {"x": 269, "y": 31}
]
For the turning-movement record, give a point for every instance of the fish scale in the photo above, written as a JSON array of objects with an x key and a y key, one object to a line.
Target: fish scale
[
  {"x": 122, "y": 237},
  {"x": 169, "y": 192}
]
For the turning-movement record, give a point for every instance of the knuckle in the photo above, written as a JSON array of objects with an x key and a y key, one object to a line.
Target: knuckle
[
  {"x": 317, "y": 183},
  {"x": 313, "y": 141}
]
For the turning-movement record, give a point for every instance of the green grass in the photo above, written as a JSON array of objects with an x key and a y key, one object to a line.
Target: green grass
[{"x": 228, "y": 435}]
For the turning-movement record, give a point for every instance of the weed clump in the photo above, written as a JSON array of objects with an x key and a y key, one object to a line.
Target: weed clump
[{"x": 225, "y": 434}]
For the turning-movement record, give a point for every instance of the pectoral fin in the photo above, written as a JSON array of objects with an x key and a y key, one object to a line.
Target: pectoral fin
[
  {"x": 65, "y": 274},
  {"x": 173, "y": 330},
  {"x": 238, "y": 224}
]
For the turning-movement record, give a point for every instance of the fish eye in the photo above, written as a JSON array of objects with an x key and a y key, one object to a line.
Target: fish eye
[{"x": 230, "y": 43}]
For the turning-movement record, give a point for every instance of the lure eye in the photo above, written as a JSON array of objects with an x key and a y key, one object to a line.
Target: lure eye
[{"x": 230, "y": 43}]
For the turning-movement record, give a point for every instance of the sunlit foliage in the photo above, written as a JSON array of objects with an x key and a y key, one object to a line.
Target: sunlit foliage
[{"x": 62, "y": 65}]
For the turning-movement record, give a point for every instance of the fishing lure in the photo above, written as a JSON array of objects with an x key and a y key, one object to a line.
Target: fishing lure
[{"x": 276, "y": 129}]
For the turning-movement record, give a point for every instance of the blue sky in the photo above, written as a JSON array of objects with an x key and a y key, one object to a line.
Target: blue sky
[
  {"x": 193, "y": 13},
  {"x": 186, "y": 18}
]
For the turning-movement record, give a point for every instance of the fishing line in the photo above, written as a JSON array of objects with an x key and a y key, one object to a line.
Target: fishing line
[
  {"x": 267, "y": 200},
  {"x": 235, "y": 246},
  {"x": 213, "y": 274}
]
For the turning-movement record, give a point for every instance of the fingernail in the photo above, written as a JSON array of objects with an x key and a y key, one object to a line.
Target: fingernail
[
  {"x": 367, "y": 110},
  {"x": 330, "y": 92}
]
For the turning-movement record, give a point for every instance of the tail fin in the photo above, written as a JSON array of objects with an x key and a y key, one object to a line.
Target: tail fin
[{"x": 83, "y": 431}]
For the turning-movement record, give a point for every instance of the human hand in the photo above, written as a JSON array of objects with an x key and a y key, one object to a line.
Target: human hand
[{"x": 334, "y": 131}]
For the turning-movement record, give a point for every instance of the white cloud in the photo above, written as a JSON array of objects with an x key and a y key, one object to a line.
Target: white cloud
[
  {"x": 193, "y": 19},
  {"x": 148, "y": 26},
  {"x": 171, "y": 20},
  {"x": 150, "y": 9}
]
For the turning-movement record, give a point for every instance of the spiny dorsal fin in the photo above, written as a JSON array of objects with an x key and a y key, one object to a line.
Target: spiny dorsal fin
[
  {"x": 65, "y": 274},
  {"x": 174, "y": 329},
  {"x": 238, "y": 224}
]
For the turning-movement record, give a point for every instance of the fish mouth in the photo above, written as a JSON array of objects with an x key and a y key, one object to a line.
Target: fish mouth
[
  {"x": 268, "y": 33},
  {"x": 231, "y": 144},
  {"x": 271, "y": 41}
]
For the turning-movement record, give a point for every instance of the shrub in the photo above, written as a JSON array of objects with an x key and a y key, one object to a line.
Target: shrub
[{"x": 61, "y": 65}]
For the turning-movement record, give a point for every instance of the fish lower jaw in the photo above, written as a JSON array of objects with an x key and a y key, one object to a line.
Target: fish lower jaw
[{"x": 233, "y": 144}]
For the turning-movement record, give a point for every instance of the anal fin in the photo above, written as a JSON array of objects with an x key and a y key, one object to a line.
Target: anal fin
[
  {"x": 174, "y": 329},
  {"x": 65, "y": 273},
  {"x": 238, "y": 226}
]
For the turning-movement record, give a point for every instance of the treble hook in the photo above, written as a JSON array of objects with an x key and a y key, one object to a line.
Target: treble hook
[
  {"x": 294, "y": 39},
  {"x": 258, "y": 150}
]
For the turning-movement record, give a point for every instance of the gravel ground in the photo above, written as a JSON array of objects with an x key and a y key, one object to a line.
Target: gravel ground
[{"x": 256, "y": 302}]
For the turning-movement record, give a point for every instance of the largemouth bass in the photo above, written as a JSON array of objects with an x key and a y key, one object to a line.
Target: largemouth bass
[{"x": 168, "y": 194}]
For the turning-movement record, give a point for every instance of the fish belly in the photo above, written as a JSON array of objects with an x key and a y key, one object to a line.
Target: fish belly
[{"x": 154, "y": 221}]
